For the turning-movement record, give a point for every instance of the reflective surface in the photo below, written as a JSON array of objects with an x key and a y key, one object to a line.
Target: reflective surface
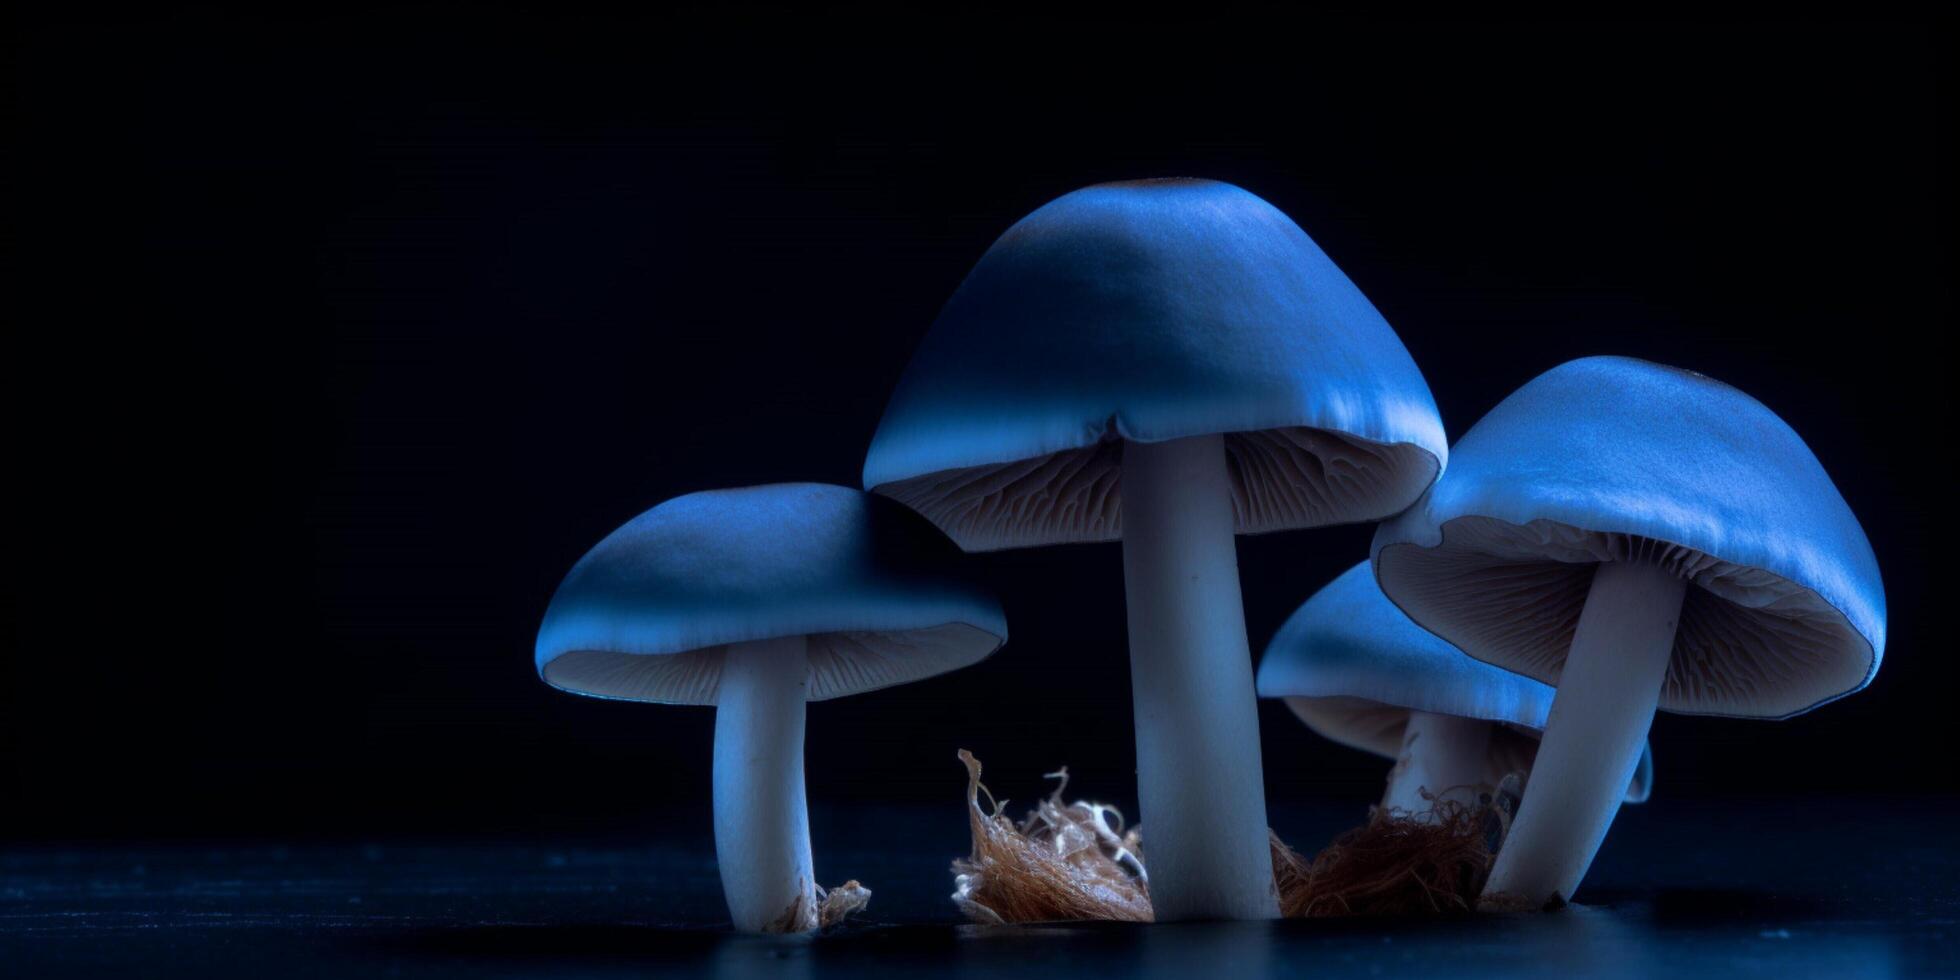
[{"x": 1843, "y": 888}]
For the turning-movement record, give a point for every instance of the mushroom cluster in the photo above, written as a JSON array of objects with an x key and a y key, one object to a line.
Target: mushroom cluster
[{"x": 1171, "y": 363}]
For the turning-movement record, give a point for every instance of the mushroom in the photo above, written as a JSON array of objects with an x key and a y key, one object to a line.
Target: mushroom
[
  {"x": 1644, "y": 538},
  {"x": 756, "y": 600},
  {"x": 1168, "y": 362},
  {"x": 1358, "y": 672}
]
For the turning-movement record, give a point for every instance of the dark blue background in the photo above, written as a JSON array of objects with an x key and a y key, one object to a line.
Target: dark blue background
[{"x": 335, "y": 340}]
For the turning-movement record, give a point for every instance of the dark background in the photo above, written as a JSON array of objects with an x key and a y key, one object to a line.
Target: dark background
[{"x": 334, "y": 341}]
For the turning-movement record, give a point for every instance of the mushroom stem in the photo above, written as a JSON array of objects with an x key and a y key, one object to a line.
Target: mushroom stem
[
  {"x": 1199, "y": 779},
  {"x": 1443, "y": 754},
  {"x": 762, "y": 823},
  {"x": 1605, "y": 703}
]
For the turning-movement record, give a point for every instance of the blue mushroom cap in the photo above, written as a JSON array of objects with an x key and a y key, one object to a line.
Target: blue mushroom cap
[
  {"x": 1149, "y": 311},
  {"x": 647, "y": 613},
  {"x": 1350, "y": 641},
  {"x": 1352, "y": 667},
  {"x": 1614, "y": 459}
]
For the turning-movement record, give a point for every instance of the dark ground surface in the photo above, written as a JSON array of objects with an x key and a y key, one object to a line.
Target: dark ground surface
[{"x": 1836, "y": 887}]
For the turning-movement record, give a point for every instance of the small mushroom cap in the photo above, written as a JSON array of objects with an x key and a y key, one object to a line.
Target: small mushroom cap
[
  {"x": 1149, "y": 311},
  {"x": 1615, "y": 459},
  {"x": 1352, "y": 667},
  {"x": 1348, "y": 640},
  {"x": 646, "y": 615}
]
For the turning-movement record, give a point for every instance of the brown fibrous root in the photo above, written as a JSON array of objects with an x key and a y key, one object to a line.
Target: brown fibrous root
[
  {"x": 1050, "y": 867},
  {"x": 1072, "y": 861},
  {"x": 1393, "y": 865},
  {"x": 820, "y": 908}
]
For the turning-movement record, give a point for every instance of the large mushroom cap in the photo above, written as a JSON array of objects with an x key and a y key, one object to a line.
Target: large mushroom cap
[
  {"x": 1352, "y": 667},
  {"x": 1613, "y": 459},
  {"x": 646, "y": 614},
  {"x": 1149, "y": 311}
]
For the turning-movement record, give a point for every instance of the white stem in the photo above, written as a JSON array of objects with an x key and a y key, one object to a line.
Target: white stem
[
  {"x": 1199, "y": 779},
  {"x": 762, "y": 824},
  {"x": 1605, "y": 704},
  {"x": 1444, "y": 754}
]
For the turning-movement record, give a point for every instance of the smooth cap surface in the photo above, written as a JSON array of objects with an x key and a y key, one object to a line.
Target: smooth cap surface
[
  {"x": 1148, "y": 311},
  {"x": 1613, "y": 459},
  {"x": 646, "y": 614}
]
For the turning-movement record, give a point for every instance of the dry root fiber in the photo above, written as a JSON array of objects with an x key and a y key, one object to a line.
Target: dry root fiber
[
  {"x": 1392, "y": 865},
  {"x": 826, "y": 908},
  {"x": 1074, "y": 861},
  {"x": 834, "y": 905},
  {"x": 1053, "y": 866}
]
